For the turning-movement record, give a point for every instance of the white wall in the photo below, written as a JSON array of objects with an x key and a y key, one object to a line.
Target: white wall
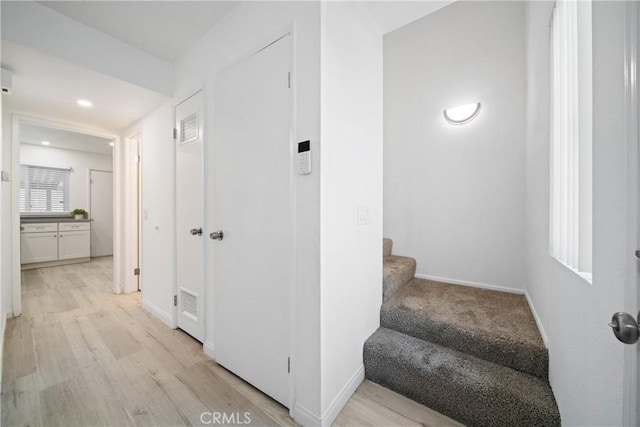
[
  {"x": 79, "y": 161},
  {"x": 5, "y": 261},
  {"x": 247, "y": 28},
  {"x": 158, "y": 212},
  {"x": 351, "y": 128},
  {"x": 585, "y": 359},
  {"x": 454, "y": 195},
  {"x": 5, "y": 218}
]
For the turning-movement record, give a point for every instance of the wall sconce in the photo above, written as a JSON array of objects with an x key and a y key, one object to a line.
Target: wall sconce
[{"x": 462, "y": 114}]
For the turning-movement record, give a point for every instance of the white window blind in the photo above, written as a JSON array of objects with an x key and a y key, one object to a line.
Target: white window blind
[
  {"x": 571, "y": 135},
  {"x": 44, "y": 189}
]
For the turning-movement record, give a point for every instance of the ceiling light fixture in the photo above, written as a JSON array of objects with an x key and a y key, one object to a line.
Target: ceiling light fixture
[
  {"x": 111, "y": 144},
  {"x": 462, "y": 114},
  {"x": 85, "y": 103},
  {"x": 46, "y": 143}
]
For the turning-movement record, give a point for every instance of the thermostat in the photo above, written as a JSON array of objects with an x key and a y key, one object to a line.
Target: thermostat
[{"x": 304, "y": 157}]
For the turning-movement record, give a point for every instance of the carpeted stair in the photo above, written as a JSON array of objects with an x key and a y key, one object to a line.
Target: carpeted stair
[{"x": 473, "y": 354}]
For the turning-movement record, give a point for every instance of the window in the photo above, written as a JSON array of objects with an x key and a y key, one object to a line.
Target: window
[
  {"x": 571, "y": 135},
  {"x": 44, "y": 189}
]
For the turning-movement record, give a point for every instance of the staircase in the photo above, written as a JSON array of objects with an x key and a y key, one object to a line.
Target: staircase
[{"x": 472, "y": 354}]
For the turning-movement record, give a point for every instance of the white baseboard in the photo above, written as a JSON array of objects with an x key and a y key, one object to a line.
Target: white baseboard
[
  {"x": 471, "y": 284},
  {"x": 343, "y": 397},
  {"x": 305, "y": 417},
  {"x": 158, "y": 312},
  {"x": 543, "y": 334},
  {"x": 208, "y": 350}
]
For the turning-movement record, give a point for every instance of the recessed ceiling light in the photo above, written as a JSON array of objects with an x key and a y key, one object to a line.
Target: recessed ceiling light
[
  {"x": 111, "y": 144},
  {"x": 46, "y": 143},
  {"x": 85, "y": 103}
]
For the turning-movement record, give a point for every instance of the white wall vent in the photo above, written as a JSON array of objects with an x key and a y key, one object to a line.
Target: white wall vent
[{"x": 189, "y": 129}]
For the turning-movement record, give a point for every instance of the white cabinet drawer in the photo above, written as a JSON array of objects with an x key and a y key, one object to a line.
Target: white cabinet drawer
[
  {"x": 72, "y": 226},
  {"x": 40, "y": 227}
]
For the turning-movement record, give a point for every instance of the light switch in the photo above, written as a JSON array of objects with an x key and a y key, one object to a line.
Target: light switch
[{"x": 363, "y": 215}]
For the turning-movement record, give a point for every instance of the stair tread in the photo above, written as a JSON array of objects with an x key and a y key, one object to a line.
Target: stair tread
[
  {"x": 466, "y": 388},
  {"x": 496, "y": 326}
]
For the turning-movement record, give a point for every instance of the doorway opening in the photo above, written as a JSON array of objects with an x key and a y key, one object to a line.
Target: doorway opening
[{"x": 54, "y": 207}]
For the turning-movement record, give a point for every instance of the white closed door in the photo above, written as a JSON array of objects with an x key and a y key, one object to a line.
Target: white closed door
[
  {"x": 189, "y": 217},
  {"x": 252, "y": 207},
  {"x": 101, "y": 212}
]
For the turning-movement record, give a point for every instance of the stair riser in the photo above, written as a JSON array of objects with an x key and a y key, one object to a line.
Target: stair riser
[
  {"x": 387, "y": 247},
  {"x": 459, "y": 386},
  {"x": 397, "y": 272},
  {"x": 518, "y": 356}
]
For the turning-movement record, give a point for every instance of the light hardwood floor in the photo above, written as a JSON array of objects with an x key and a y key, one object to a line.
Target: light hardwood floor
[{"x": 81, "y": 356}]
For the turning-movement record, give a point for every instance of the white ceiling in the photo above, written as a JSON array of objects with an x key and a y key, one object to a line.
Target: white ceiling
[
  {"x": 165, "y": 29},
  {"x": 50, "y": 87},
  {"x": 34, "y": 134},
  {"x": 391, "y": 15}
]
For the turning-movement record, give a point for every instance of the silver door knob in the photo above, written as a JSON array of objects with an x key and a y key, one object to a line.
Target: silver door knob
[
  {"x": 216, "y": 235},
  {"x": 196, "y": 231},
  {"x": 625, "y": 327}
]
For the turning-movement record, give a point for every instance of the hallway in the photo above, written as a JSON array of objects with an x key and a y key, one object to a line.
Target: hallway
[{"x": 81, "y": 356}]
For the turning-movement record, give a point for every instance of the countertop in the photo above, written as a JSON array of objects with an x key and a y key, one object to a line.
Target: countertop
[{"x": 30, "y": 220}]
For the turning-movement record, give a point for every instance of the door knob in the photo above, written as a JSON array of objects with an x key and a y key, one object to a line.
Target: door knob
[
  {"x": 196, "y": 231},
  {"x": 625, "y": 327},
  {"x": 217, "y": 235}
]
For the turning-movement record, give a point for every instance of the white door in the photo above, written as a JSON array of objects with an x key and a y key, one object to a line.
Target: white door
[
  {"x": 189, "y": 217},
  {"x": 252, "y": 206},
  {"x": 101, "y": 212}
]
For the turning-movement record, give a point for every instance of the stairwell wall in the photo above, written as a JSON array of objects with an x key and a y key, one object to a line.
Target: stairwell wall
[
  {"x": 454, "y": 195},
  {"x": 351, "y": 253}
]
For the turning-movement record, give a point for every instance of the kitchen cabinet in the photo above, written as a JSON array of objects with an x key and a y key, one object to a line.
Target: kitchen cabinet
[
  {"x": 38, "y": 247},
  {"x": 54, "y": 242},
  {"x": 74, "y": 244}
]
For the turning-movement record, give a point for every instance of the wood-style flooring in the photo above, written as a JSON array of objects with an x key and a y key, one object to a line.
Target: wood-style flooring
[{"x": 81, "y": 356}]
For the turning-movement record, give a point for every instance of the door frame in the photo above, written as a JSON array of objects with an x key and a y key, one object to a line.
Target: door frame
[
  {"x": 631, "y": 370},
  {"x": 174, "y": 312},
  {"x": 18, "y": 119},
  {"x": 131, "y": 226},
  {"x": 89, "y": 187},
  {"x": 287, "y": 30}
]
